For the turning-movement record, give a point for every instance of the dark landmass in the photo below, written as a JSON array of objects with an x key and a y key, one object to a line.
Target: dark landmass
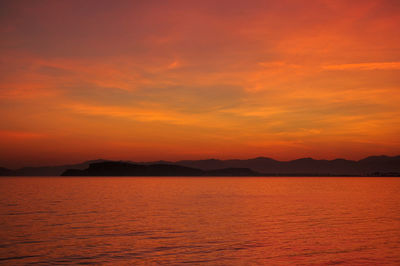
[
  {"x": 370, "y": 166},
  {"x": 5, "y": 171},
  {"x": 48, "y": 170},
  {"x": 306, "y": 166},
  {"x": 131, "y": 169},
  {"x": 232, "y": 172}
]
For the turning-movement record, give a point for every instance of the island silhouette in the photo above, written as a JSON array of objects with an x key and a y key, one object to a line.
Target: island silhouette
[
  {"x": 130, "y": 169},
  {"x": 260, "y": 166}
]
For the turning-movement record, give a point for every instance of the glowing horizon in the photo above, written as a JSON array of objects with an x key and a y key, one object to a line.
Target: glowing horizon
[{"x": 172, "y": 80}]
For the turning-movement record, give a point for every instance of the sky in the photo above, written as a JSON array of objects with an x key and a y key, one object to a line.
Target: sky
[{"x": 171, "y": 80}]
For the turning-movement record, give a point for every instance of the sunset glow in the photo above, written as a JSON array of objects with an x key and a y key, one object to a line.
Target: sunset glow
[{"x": 171, "y": 80}]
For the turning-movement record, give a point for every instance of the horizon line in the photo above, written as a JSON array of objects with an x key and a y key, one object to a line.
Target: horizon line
[{"x": 205, "y": 159}]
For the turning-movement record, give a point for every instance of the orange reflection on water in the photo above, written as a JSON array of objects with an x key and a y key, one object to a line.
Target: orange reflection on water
[{"x": 209, "y": 220}]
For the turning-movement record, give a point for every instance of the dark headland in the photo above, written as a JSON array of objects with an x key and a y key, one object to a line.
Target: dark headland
[
  {"x": 261, "y": 166},
  {"x": 130, "y": 169}
]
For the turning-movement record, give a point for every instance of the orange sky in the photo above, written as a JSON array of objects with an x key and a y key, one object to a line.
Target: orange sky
[{"x": 150, "y": 80}]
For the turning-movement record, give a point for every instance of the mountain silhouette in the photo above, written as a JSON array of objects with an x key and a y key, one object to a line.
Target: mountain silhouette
[
  {"x": 131, "y": 169},
  {"x": 370, "y": 166},
  {"x": 305, "y": 166}
]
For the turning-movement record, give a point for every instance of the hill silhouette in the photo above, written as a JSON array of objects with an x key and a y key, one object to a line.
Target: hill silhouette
[
  {"x": 370, "y": 166},
  {"x": 131, "y": 169},
  {"x": 48, "y": 170},
  {"x": 305, "y": 166}
]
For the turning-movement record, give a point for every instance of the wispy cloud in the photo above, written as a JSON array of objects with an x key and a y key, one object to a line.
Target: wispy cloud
[
  {"x": 365, "y": 66},
  {"x": 223, "y": 76},
  {"x": 21, "y": 135},
  {"x": 138, "y": 114}
]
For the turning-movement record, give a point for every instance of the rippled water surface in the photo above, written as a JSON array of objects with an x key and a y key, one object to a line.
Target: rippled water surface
[{"x": 215, "y": 221}]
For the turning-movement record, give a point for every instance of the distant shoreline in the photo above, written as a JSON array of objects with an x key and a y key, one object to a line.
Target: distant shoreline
[{"x": 373, "y": 166}]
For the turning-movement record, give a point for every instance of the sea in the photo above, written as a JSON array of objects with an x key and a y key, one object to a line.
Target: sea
[{"x": 199, "y": 221}]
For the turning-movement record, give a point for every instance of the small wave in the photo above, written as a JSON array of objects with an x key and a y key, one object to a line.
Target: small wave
[{"x": 18, "y": 257}]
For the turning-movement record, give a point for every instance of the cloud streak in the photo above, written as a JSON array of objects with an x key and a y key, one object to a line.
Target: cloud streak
[
  {"x": 366, "y": 66},
  {"x": 199, "y": 78}
]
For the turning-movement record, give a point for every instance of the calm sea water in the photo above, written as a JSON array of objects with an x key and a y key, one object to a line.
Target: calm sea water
[{"x": 215, "y": 221}]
